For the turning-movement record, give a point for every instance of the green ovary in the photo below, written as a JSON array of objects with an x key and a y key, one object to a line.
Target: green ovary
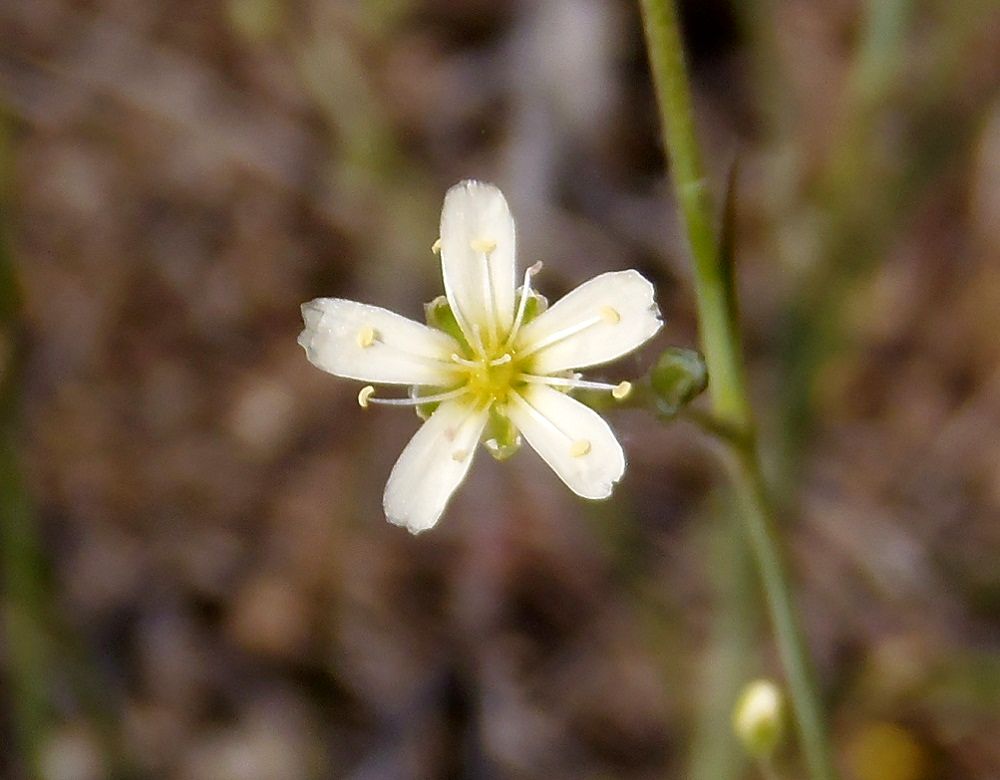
[{"x": 491, "y": 383}]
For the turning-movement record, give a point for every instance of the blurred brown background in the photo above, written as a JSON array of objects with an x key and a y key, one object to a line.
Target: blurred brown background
[{"x": 198, "y": 579}]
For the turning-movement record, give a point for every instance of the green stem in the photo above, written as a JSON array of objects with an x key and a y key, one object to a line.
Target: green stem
[
  {"x": 718, "y": 325},
  {"x": 722, "y": 346}
]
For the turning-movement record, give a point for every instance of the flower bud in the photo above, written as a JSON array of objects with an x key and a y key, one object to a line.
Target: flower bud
[
  {"x": 679, "y": 376},
  {"x": 758, "y": 716}
]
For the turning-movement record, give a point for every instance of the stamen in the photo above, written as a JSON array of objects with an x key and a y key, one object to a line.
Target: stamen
[
  {"x": 489, "y": 299},
  {"x": 619, "y": 391},
  {"x": 464, "y": 361},
  {"x": 471, "y": 331},
  {"x": 523, "y": 303},
  {"x": 610, "y": 316},
  {"x": 476, "y": 340},
  {"x": 365, "y": 397},
  {"x": 539, "y": 417},
  {"x": 561, "y": 335},
  {"x": 366, "y": 336},
  {"x": 579, "y": 448},
  {"x": 436, "y": 246},
  {"x": 503, "y": 359},
  {"x": 484, "y": 245},
  {"x": 622, "y": 390}
]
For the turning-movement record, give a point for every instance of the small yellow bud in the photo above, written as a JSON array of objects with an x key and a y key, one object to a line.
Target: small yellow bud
[{"x": 758, "y": 716}]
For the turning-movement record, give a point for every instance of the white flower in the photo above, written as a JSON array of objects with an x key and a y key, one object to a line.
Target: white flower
[{"x": 500, "y": 371}]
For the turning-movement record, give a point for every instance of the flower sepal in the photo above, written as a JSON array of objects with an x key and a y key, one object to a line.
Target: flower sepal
[
  {"x": 438, "y": 315},
  {"x": 535, "y": 304},
  {"x": 501, "y": 438},
  {"x": 424, "y": 411}
]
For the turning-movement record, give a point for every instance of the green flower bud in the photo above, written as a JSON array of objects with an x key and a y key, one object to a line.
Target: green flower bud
[
  {"x": 758, "y": 717},
  {"x": 679, "y": 376}
]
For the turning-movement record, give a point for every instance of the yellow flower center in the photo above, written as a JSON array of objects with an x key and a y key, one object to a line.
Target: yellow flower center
[{"x": 489, "y": 378}]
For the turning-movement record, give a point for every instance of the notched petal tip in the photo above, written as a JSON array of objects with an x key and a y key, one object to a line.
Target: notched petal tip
[
  {"x": 649, "y": 291},
  {"x": 312, "y": 312},
  {"x": 472, "y": 185},
  {"x": 312, "y": 316},
  {"x": 402, "y": 522}
]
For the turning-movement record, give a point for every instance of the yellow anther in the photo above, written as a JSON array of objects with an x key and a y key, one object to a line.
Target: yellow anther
[
  {"x": 579, "y": 448},
  {"x": 483, "y": 245},
  {"x": 366, "y": 336},
  {"x": 621, "y": 390},
  {"x": 610, "y": 316},
  {"x": 459, "y": 455},
  {"x": 436, "y": 246},
  {"x": 366, "y": 392}
]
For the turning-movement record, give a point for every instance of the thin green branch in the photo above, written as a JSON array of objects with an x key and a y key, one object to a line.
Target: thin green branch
[
  {"x": 721, "y": 429},
  {"x": 722, "y": 346}
]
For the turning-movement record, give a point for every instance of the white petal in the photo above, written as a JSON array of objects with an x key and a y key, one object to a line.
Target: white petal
[
  {"x": 358, "y": 341},
  {"x": 433, "y": 464},
  {"x": 600, "y": 320},
  {"x": 572, "y": 438},
  {"x": 479, "y": 285}
]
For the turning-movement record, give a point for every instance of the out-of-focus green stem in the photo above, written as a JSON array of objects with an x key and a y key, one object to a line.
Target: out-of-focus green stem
[
  {"x": 855, "y": 189},
  {"x": 722, "y": 345},
  {"x": 730, "y": 658},
  {"x": 26, "y": 640},
  {"x": 767, "y": 770}
]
